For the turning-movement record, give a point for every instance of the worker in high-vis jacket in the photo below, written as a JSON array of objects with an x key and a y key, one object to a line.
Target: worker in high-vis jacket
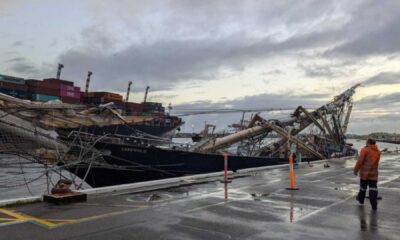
[{"x": 367, "y": 165}]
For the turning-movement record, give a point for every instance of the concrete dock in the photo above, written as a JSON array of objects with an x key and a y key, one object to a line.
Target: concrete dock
[{"x": 255, "y": 205}]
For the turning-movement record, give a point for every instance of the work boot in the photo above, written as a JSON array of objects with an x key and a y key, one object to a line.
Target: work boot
[
  {"x": 360, "y": 197},
  {"x": 373, "y": 199}
]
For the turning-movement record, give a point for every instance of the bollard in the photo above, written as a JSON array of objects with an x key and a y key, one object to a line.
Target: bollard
[
  {"x": 291, "y": 174},
  {"x": 226, "y": 168}
]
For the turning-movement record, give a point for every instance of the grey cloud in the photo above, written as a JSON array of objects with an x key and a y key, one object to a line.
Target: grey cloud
[
  {"x": 8, "y": 6},
  {"x": 332, "y": 70},
  {"x": 383, "y": 78},
  {"x": 382, "y": 41},
  {"x": 257, "y": 102},
  {"x": 17, "y": 43},
  {"x": 273, "y": 72},
  {"x": 379, "y": 101},
  {"x": 367, "y": 124},
  {"x": 24, "y": 68},
  {"x": 360, "y": 120},
  {"x": 10, "y": 52},
  {"x": 160, "y": 97},
  {"x": 262, "y": 101},
  {"x": 375, "y": 31},
  {"x": 22, "y": 65},
  {"x": 164, "y": 63},
  {"x": 16, "y": 59},
  {"x": 185, "y": 46},
  {"x": 215, "y": 18},
  {"x": 318, "y": 71},
  {"x": 192, "y": 41}
]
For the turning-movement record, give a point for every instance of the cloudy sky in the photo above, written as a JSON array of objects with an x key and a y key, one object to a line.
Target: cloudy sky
[{"x": 216, "y": 54}]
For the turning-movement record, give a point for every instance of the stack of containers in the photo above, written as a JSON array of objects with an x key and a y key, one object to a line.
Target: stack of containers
[
  {"x": 38, "y": 91},
  {"x": 13, "y": 86},
  {"x": 111, "y": 97},
  {"x": 120, "y": 105},
  {"x": 133, "y": 109},
  {"x": 70, "y": 94},
  {"x": 153, "y": 108},
  {"x": 102, "y": 97},
  {"x": 53, "y": 89}
]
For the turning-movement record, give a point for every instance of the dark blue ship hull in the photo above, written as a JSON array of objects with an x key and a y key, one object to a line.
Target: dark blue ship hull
[{"x": 128, "y": 164}]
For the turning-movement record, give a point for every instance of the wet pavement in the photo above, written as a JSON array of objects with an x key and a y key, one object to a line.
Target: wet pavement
[{"x": 252, "y": 206}]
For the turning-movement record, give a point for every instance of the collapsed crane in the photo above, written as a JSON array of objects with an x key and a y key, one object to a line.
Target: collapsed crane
[{"x": 331, "y": 120}]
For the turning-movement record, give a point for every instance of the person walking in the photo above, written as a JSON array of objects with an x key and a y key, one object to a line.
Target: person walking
[{"x": 367, "y": 165}]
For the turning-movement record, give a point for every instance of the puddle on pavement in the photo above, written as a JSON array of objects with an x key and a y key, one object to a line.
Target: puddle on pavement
[{"x": 150, "y": 197}]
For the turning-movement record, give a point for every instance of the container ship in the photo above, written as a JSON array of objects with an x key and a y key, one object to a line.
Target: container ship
[
  {"x": 124, "y": 161},
  {"x": 31, "y": 129},
  {"x": 52, "y": 89}
]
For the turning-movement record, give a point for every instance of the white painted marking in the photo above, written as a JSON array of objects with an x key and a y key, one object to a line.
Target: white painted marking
[
  {"x": 329, "y": 206},
  {"x": 207, "y": 206}
]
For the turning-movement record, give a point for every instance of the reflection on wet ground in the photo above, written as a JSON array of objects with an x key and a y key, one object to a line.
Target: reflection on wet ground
[
  {"x": 368, "y": 219},
  {"x": 254, "y": 206}
]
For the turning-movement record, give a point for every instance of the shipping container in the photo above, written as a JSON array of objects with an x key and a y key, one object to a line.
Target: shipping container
[
  {"x": 134, "y": 107},
  {"x": 152, "y": 107},
  {"x": 14, "y": 93},
  {"x": 96, "y": 100},
  {"x": 130, "y": 113},
  {"x": 107, "y": 99},
  {"x": 11, "y": 79},
  {"x": 120, "y": 105},
  {"x": 14, "y": 86},
  {"x": 64, "y": 87},
  {"x": 56, "y": 81},
  {"x": 40, "y": 87},
  {"x": 71, "y": 94},
  {"x": 32, "y": 82},
  {"x": 50, "y": 85},
  {"x": 44, "y": 91},
  {"x": 106, "y": 95},
  {"x": 43, "y": 97},
  {"x": 70, "y": 100}
]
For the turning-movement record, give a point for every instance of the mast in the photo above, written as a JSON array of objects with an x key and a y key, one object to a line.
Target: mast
[
  {"x": 128, "y": 91},
  {"x": 60, "y": 66},
  {"x": 346, "y": 121},
  {"x": 88, "y": 82},
  {"x": 145, "y": 94}
]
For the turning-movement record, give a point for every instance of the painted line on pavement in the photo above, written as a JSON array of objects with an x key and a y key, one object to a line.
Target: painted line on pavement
[{"x": 52, "y": 223}]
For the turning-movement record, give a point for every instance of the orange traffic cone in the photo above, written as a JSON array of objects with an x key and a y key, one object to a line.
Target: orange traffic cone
[{"x": 291, "y": 174}]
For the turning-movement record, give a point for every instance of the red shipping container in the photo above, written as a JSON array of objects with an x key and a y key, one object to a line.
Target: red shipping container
[
  {"x": 50, "y": 85},
  {"x": 70, "y": 100},
  {"x": 32, "y": 82},
  {"x": 45, "y": 91},
  {"x": 13, "y": 86},
  {"x": 134, "y": 107}
]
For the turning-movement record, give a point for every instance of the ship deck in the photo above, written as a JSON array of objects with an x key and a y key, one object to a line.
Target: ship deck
[{"x": 254, "y": 205}]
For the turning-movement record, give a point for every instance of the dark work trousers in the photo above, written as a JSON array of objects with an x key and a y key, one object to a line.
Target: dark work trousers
[{"x": 373, "y": 192}]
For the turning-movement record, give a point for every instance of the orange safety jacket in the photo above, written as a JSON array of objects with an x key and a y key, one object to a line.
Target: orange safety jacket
[{"x": 367, "y": 163}]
